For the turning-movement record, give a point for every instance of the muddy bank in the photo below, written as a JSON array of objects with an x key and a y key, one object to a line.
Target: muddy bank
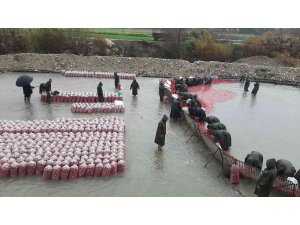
[{"x": 153, "y": 67}]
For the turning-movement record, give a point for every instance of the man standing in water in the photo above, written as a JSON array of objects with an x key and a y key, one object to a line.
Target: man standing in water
[
  {"x": 100, "y": 92},
  {"x": 247, "y": 83},
  {"x": 48, "y": 90},
  {"x": 255, "y": 89},
  {"x": 27, "y": 91},
  {"x": 161, "y": 132},
  {"x": 117, "y": 80},
  {"x": 161, "y": 91}
]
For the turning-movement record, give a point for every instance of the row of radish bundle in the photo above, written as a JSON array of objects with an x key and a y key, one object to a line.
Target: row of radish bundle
[
  {"x": 101, "y": 124},
  {"x": 69, "y": 96},
  {"x": 105, "y": 107},
  {"x": 62, "y": 155},
  {"x": 98, "y": 74}
]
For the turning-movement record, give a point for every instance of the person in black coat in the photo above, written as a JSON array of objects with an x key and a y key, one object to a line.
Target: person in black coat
[
  {"x": 175, "y": 110},
  {"x": 285, "y": 168},
  {"x": 134, "y": 86},
  {"x": 161, "y": 132},
  {"x": 223, "y": 137},
  {"x": 27, "y": 91},
  {"x": 247, "y": 84},
  {"x": 216, "y": 126},
  {"x": 255, "y": 159},
  {"x": 212, "y": 119},
  {"x": 255, "y": 89},
  {"x": 161, "y": 91},
  {"x": 117, "y": 80},
  {"x": 195, "y": 101},
  {"x": 265, "y": 182},
  {"x": 100, "y": 92},
  {"x": 48, "y": 90}
]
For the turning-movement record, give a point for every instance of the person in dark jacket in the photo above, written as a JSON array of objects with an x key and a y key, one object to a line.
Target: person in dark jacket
[
  {"x": 247, "y": 84},
  {"x": 117, "y": 80},
  {"x": 48, "y": 90},
  {"x": 216, "y": 126},
  {"x": 195, "y": 101},
  {"x": 176, "y": 110},
  {"x": 285, "y": 168},
  {"x": 254, "y": 159},
  {"x": 198, "y": 112},
  {"x": 27, "y": 91},
  {"x": 100, "y": 92},
  {"x": 212, "y": 119},
  {"x": 134, "y": 86},
  {"x": 161, "y": 91},
  {"x": 242, "y": 79},
  {"x": 265, "y": 182},
  {"x": 161, "y": 132},
  {"x": 223, "y": 137},
  {"x": 255, "y": 89}
]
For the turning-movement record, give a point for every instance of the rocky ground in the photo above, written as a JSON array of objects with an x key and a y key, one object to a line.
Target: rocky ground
[{"x": 151, "y": 66}]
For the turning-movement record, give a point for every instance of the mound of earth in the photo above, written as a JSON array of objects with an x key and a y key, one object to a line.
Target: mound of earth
[{"x": 261, "y": 61}]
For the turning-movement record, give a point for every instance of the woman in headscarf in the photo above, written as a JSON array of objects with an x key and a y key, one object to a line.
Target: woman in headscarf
[
  {"x": 100, "y": 92},
  {"x": 161, "y": 132},
  {"x": 134, "y": 86}
]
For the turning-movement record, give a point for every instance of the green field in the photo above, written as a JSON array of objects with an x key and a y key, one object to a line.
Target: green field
[{"x": 129, "y": 34}]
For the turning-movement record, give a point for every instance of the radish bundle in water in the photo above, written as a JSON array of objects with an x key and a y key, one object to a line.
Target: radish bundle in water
[
  {"x": 47, "y": 172},
  {"x": 31, "y": 168},
  {"x": 90, "y": 170},
  {"x": 98, "y": 169},
  {"x": 56, "y": 172},
  {"x": 4, "y": 170},
  {"x": 82, "y": 170},
  {"x": 73, "y": 172},
  {"x": 22, "y": 169},
  {"x": 64, "y": 172},
  {"x": 14, "y": 169}
]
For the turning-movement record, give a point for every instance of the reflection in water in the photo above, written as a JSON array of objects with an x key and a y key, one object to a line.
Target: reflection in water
[
  {"x": 158, "y": 160},
  {"x": 253, "y": 100}
]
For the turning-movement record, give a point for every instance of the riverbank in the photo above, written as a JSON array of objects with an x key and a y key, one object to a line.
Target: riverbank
[{"x": 152, "y": 67}]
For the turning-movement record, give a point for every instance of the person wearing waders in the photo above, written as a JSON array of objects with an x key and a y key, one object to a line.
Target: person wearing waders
[
  {"x": 134, "y": 86},
  {"x": 255, "y": 89},
  {"x": 48, "y": 90},
  {"x": 265, "y": 182},
  {"x": 100, "y": 92},
  {"x": 176, "y": 110},
  {"x": 161, "y": 91},
  {"x": 247, "y": 83},
  {"x": 161, "y": 132},
  {"x": 117, "y": 80}
]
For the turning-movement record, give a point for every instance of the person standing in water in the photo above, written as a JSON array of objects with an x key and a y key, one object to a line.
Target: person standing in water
[
  {"x": 134, "y": 86},
  {"x": 161, "y": 91},
  {"x": 247, "y": 83},
  {"x": 48, "y": 90},
  {"x": 27, "y": 91},
  {"x": 117, "y": 80},
  {"x": 255, "y": 89},
  {"x": 100, "y": 92},
  {"x": 161, "y": 132}
]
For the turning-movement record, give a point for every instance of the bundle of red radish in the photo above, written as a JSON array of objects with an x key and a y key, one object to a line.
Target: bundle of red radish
[
  {"x": 63, "y": 155},
  {"x": 69, "y": 96},
  {"x": 98, "y": 74},
  {"x": 97, "y": 108}
]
